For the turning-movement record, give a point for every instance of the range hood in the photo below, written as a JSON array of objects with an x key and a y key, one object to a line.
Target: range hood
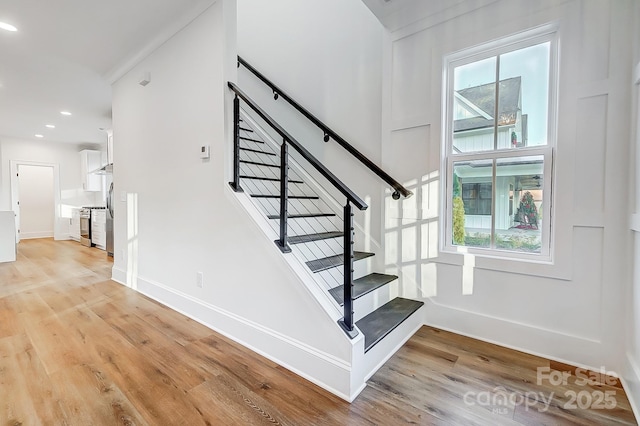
[
  {"x": 104, "y": 170},
  {"x": 107, "y": 169}
]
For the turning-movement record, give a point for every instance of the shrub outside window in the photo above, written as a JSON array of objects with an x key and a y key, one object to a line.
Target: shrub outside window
[{"x": 499, "y": 105}]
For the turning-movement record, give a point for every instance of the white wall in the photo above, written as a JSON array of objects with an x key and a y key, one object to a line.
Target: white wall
[
  {"x": 36, "y": 195},
  {"x": 570, "y": 310},
  {"x": 180, "y": 216},
  {"x": 68, "y": 160},
  {"x": 632, "y": 370},
  {"x": 326, "y": 54}
]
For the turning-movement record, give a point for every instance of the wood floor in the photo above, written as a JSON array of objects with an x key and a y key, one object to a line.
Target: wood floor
[{"x": 79, "y": 349}]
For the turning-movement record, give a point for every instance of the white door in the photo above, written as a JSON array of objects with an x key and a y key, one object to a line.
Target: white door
[{"x": 36, "y": 205}]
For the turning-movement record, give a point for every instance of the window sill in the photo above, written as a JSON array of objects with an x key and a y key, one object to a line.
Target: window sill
[{"x": 544, "y": 267}]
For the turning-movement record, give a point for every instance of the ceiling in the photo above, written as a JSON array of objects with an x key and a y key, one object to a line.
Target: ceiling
[
  {"x": 66, "y": 53},
  {"x": 398, "y": 14}
]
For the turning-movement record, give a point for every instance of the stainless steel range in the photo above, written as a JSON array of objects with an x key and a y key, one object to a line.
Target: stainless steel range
[{"x": 85, "y": 226}]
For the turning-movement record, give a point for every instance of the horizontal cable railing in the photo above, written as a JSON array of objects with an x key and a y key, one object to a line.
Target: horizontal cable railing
[
  {"x": 337, "y": 183},
  {"x": 399, "y": 189},
  {"x": 268, "y": 174}
]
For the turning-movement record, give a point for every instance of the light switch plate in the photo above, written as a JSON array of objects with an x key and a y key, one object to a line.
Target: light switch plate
[{"x": 205, "y": 151}]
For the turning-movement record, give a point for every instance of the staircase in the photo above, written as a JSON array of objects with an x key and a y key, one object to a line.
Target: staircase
[
  {"x": 315, "y": 232},
  {"x": 318, "y": 230}
]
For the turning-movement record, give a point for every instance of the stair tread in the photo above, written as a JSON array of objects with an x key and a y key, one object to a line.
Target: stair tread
[
  {"x": 295, "y": 197},
  {"x": 273, "y": 179},
  {"x": 325, "y": 263},
  {"x": 362, "y": 286},
  {"x": 298, "y": 216},
  {"x": 300, "y": 239},
  {"x": 246, "y": 129},
  {"x": 385, "y": 319}
]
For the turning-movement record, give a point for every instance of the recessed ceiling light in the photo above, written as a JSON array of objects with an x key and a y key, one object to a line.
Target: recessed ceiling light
[
  {"x": 65, "y": 113},
  {"x": 49, "y": 126},
  {"x": 7, "y": 27},
  {"x": 37, "y": 135}
]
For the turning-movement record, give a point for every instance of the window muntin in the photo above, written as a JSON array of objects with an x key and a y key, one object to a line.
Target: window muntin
[{"x": 510, "y": 158}]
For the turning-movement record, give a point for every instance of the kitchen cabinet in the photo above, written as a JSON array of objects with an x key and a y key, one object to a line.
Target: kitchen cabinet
[
  {"x": 91, "y": 160},
  {"x": 74, "y": 225},
  {"x": 99, "y": 228}
]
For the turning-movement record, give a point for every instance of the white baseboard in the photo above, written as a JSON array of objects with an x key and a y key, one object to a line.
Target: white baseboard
[
  {"x": 34, "y": 235},
  {"x": 320, "y": 368},
  {"x": 631, "y": 383},
  {"x": 119, "y": 275},
  {"x": 562, "y": 347}
]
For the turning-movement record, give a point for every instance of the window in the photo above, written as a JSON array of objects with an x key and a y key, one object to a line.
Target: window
[
  {"x": 498, "y": 146},
  {"x": 477, "y": 198}
]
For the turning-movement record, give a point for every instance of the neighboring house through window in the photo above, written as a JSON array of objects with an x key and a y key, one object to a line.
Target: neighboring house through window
[{"x": 498, "y": 145}]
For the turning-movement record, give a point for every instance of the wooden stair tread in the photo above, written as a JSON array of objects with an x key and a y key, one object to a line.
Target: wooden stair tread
[
  {"x": 303, "y": 215},
  {"x": 300, "y": 239},
  {"x": 385, "y": 319},
  {"x": 325, "y": 263},
  {"x": 362, "y": 286}
]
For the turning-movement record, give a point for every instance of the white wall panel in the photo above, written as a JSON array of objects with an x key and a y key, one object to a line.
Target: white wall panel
[
  {"x": 412, "y": 143},
  {"x": 534, "y": 307},
  {"x": 632, "y": 295},
  {"x": 411, "y": 79},
  {"x": 591, "y": 134},
  {"x": 596, "y": 17}
]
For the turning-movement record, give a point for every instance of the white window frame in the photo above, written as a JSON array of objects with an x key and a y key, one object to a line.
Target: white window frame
[{"x": 518, "y": 41}]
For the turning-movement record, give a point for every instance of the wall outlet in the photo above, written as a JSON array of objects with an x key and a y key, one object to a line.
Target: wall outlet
[{"x": 199, "y": 279}]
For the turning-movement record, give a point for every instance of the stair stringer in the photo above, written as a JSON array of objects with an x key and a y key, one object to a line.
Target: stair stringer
[
  {"x": 364, "y": 365},
  {"x": 342, "y": 386}
]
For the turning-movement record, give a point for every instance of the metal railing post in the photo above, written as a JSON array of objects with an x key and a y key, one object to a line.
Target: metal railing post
[
  {"x": 284, "y": 197},
  {"x": 236, "y": 146},
  {"x": 347, "y": 322}
]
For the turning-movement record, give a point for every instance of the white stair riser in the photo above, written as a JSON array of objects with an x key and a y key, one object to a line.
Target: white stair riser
[
  {"x": 336, "y": 276},
  {"x": 368, "y": 303}
]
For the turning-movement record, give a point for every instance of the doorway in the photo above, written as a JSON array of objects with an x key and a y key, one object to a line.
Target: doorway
[{"x": 35, "y": 199}]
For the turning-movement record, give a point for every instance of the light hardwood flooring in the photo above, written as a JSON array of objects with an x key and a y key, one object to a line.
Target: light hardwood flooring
[{"x": 79, "y": 349}]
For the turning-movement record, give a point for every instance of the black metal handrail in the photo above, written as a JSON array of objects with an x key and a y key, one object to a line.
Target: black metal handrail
[
  {"x": 347, "y": 321},
  {"x": 399, "y": 189},
  {"x": 337, "y": 183}
]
